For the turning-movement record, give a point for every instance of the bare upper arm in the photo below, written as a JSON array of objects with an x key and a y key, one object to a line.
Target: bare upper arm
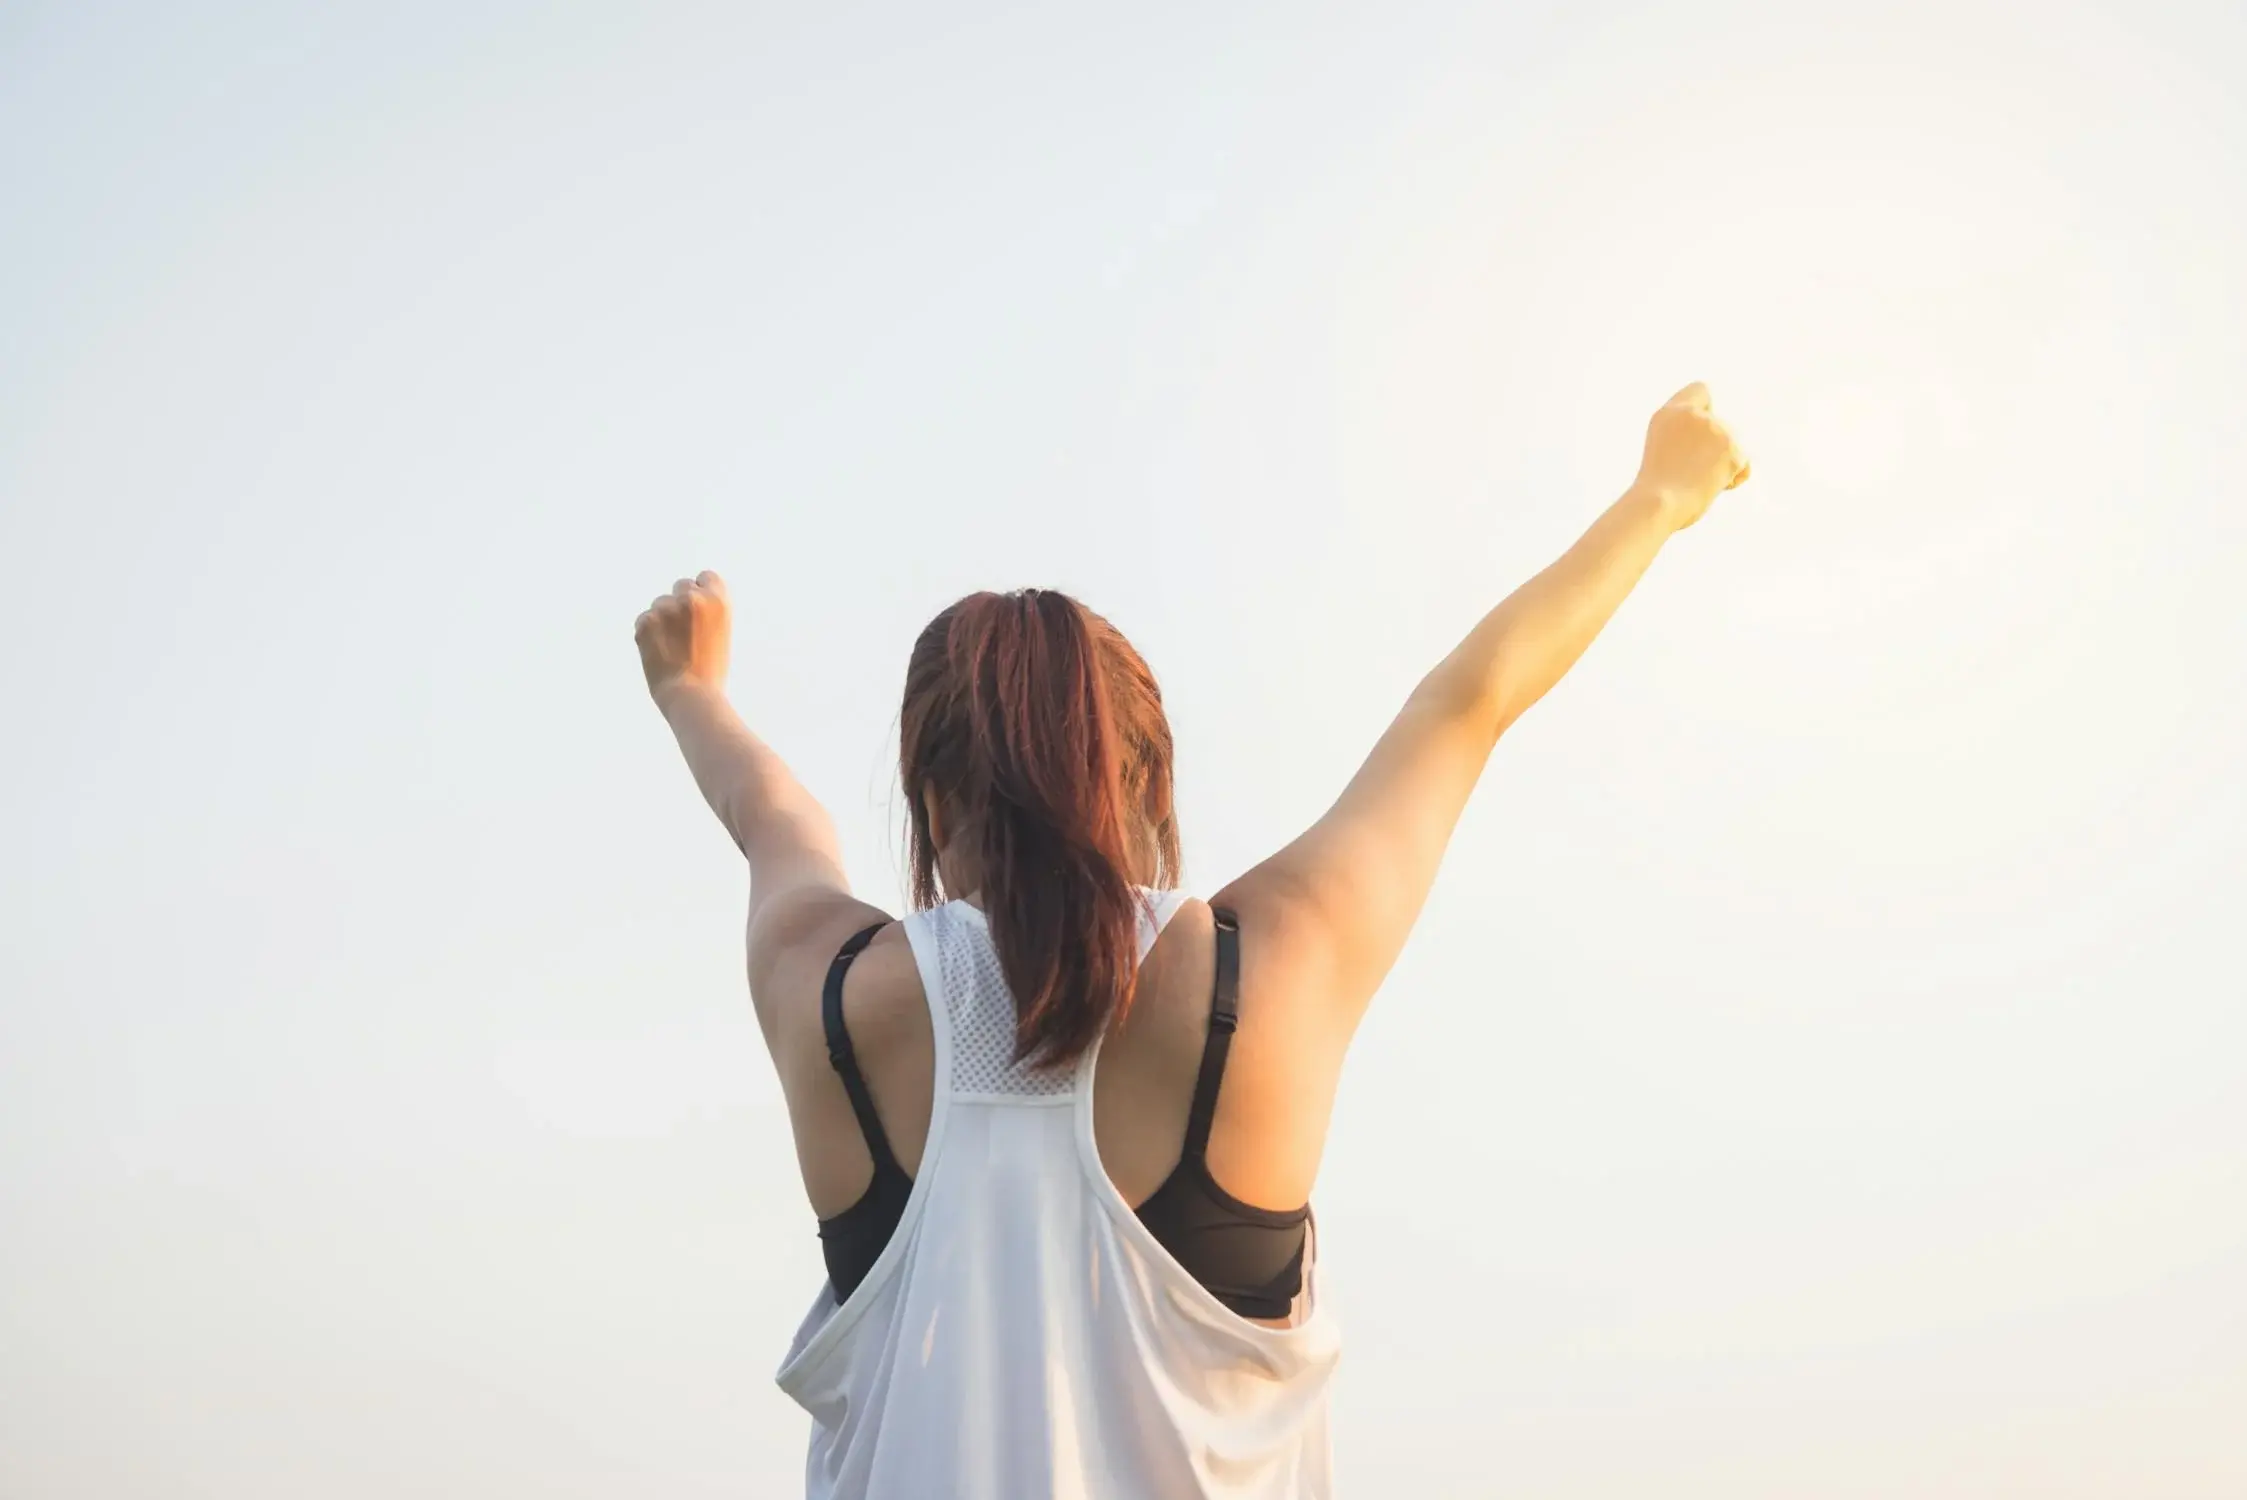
[
  {"x": 800, "y": 912},
  {"x": 1335, "y": 906}
]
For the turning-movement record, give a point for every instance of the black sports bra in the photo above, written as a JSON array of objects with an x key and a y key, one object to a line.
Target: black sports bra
[{"x": 1249, "y": 1258}]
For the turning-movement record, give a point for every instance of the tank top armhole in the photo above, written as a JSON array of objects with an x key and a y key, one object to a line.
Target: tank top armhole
[
  {"x": 817, "y": 1345},
  {"x": 1192, "y": 1171}
]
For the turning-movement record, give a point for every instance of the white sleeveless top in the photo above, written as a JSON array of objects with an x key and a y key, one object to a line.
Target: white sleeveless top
[{"x": 1023, "y": 1336}]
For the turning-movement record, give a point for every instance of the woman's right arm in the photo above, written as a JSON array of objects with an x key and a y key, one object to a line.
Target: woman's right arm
[{"x": 1340, "y": 900}]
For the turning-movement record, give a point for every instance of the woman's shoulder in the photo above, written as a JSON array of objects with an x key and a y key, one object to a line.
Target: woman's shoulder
[{"x": 881, "y": 990}]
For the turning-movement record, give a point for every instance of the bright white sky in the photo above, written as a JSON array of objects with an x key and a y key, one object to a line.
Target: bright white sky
[{"x": 1818, "y": 1069}]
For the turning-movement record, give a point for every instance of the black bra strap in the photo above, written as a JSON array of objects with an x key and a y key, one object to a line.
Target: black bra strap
[
  {"x": 845, "y": 1060},
  {"x": 1224, "y": 1015}
]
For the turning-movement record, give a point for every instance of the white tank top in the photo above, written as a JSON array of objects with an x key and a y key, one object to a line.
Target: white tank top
[{"x": 1023, "y": 1336}]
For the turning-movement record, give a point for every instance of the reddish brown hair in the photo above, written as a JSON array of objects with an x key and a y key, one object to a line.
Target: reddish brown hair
[{"x": 1041, "y": 734}]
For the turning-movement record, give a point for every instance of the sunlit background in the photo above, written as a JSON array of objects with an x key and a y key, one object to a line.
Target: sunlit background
[{"x": 1818, "y": 1069}]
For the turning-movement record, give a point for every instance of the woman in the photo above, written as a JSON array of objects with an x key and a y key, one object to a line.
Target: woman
[{"x": 1059, "y": 1126}]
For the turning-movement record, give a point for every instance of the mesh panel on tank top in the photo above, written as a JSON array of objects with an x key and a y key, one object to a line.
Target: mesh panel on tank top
[{"x": 981, "y": 1012}]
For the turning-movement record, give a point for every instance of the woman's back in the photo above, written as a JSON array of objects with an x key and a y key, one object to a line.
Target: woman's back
[
  {"x": 1023, "y": 1333},
  {"x": 1271, "y": 1112}
]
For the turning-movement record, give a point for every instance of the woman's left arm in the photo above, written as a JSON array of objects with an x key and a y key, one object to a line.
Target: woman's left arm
[{"x": 798, "y": 892}]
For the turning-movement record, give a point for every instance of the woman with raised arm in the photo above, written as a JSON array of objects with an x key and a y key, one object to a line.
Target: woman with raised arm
[{"x": 1059, "y": 1125}]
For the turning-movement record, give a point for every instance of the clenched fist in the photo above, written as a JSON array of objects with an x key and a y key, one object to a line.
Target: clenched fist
[
  {"x": 1690, "y": 458},
  {"x": 686, "y": 636}
]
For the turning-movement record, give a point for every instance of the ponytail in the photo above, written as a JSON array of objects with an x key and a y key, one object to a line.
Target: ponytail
[{"x": 1036, "y": 725}]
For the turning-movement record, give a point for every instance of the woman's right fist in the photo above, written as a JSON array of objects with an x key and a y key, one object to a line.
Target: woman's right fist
[
  {"x": 1690, "y": 458},
  {"x": 686, "y": 636}
]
